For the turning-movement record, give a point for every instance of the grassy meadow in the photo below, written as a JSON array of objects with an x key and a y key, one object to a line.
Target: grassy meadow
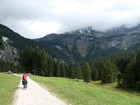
[
  {"x": 8, "y": 85},
  {"x": 79, "y": 93}
]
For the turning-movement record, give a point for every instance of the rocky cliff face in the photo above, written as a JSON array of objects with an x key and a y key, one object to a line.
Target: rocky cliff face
[
  {"x": 89, "y": 44},
  {"x": 7, "y": 52},
  {"x": 11, "y": 43}
]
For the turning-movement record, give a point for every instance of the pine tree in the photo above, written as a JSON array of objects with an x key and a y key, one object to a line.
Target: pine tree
[
  {"x": 62, "y": 70},
  {"x": 129, "y": 75},
  {"x": 95, "y": 74},
  {"x": 58, "y": 70},
  {"x": 78, "y": 72},
  {"x": 55, "y": 64},
  {"x": 34, "y": 60},
  {"x": 87, "y": 73},
  {"x": 26, "y": 60},
  {"x": 132, "y": 75},
  {"x": 109, "y": 71},
  {"x": 71, "y": 71}
]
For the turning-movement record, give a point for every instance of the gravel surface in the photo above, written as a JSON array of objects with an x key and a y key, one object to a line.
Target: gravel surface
[{"x": 35, "y": 95}]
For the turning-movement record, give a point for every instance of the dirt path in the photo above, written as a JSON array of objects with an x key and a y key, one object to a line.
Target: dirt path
[{"x": 35, "y": 95}]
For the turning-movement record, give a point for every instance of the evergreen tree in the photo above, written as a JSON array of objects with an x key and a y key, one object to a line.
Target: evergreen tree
[
  {"x": 62, "y": 70},
  {"x": 95, "y": 74},
  {"x": 109, "y": 71},
  {"x": 122, "y": 62},
  {"x": 87, "y": 73},
  {"x": 71, "y": 71},
  {"x": 26, "y": 59},
  {"x": 43, "y": 70},
  {"x": 50, "y": 68},
  {"x": 132, "y": 75},
  {"x": 129, "y": 75},
  {"x": 58, "y": 69},
  {"x": 119, "y": 79},
  {"x": 55, "y": 64},
  {"x": 78, "y": 72},
  {"x": 34, "y": 60}
]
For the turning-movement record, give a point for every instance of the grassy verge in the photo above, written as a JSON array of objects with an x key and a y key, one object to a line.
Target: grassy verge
[
  {"x": 8, "y": 85},
  {"x": 78, "y": 93}
]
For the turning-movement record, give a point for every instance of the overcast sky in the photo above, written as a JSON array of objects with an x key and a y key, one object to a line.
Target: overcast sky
[{"x": 37, "y": 18}]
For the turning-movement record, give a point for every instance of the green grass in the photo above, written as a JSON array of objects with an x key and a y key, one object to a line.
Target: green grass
[
  {"x": 8, "y": 85},
  {"x": 78, "y": 93}
]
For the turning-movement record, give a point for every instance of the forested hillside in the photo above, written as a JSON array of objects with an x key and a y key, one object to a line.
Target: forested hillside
[{"x": 122, "y": 69}]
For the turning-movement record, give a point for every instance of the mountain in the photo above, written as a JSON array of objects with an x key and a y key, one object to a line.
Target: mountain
[
  {"x": 87, "y": 43},
  {"x": 17, "y": 40},
  {"x": 78, "y": 45},
  {"x": 11, "y": 43}
]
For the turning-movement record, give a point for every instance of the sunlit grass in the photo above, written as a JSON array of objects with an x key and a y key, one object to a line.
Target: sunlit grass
[
  {"x": 8, "y": 85},
  {"x": 78, "y": 93}
]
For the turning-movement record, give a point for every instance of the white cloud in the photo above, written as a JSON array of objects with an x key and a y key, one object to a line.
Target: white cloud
[
  {"x": 36, "y": 18},
  {"x": 40, "y": 27}
]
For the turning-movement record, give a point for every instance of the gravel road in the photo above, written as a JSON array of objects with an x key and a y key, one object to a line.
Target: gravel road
[{"x": 35, "y": 95}]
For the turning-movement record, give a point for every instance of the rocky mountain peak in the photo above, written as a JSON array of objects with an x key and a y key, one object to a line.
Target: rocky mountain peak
[{"x": 88, "y": 43}]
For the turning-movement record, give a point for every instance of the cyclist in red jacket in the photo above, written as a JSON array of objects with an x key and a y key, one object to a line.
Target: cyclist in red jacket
[
  {"x": 24, "y": 76},
  {"x": 24, "y": 80}
]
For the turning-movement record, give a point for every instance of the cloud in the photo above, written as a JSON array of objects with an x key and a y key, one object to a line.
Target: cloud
[{"x": 36, "y": 18}]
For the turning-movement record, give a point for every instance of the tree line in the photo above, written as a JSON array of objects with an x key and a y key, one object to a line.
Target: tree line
[{"x": 122, "y": 69}]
